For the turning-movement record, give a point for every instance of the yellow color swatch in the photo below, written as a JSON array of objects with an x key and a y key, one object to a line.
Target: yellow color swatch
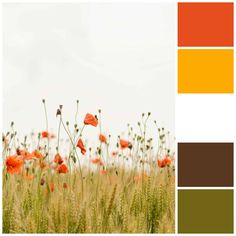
[{"x": 205, "y": 71}]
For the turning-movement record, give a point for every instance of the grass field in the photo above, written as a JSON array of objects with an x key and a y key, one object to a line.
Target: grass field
[{"x": 125, "y": 188}]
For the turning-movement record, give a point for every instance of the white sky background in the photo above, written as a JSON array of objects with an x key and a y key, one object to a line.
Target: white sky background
[{"x": 118, "y": 57}]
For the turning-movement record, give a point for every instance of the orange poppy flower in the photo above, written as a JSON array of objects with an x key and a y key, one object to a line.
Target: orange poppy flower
[
  {"x": 103, "y": 172},
  {"x": 161, "y": 163},
  {"x": 80, "y": 145},
  {"x": 14, "y": 164},
  {"x": 43, "y": 166},
  {"x": 58, "y": 159},
  {"x": 37, "y": 154},
  {"x": 62, "y": 169},
  {"x": 138, "y": 178},
  {"x": 28, "y": 177},
  {"x": 97, "y": 161},
  {"x": 24, "y": 154},
  {"x": 52, "y": 187},
  {"x": 45, "y": 134},
  {"x": 65, "y": 185},
  {"x": 114, "y": 153},
  {"x": 124, "y": 144},
  {"x": 167, "y": 160},
  {"x": 90, "y": 120},
  {"x": 102, "y": 138}
]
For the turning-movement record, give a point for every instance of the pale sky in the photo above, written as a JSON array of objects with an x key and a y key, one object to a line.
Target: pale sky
[{"x": 119, "y": 57}]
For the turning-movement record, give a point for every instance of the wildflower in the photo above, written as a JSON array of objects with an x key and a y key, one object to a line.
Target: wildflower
[
  {"x": 62, "y": 169},
  {"x": 114, "y": 153},
  {"x": 167, "y": 160},
  {"x": 102, "y": 138},
  {"x": 103, "y": 172},
  {"x": 45, "y": 134},
  {"x": 58, "y": 159},
  {"x": 97, "y": 161},
  {"x": 24, "y": 154},
  {"x": 161, "y": 163},
  {"x": 164, "y": 162},
  {"x": 90, "y": 120},
  {"x": 65, "y": 185},
  {"x": 52, "y": 187},
  {"x": 27, "y": 176},
  {"x": 14, "y": 164},
  {"x": 37, "y": 154},
  {"x": 80, "y": 145},
  {"x": 138, "y": 178},
  {"x": 124, "y": 144},
  {"x": 43, "y": 166},
  {"x": 42, "y": 181}
]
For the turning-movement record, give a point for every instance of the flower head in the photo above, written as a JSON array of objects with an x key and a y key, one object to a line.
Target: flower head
[
  {"x": 58, "y": 159},
  {"x": 80, "y": 145},
  {"x": 97, "y": 161},
  {"x": 124, "y": 144},
  {"x": 37, "y": 154},
  {"x": 90, "y": 120},
  {"x": 102, "y": 138},
  {"x": 62, "y": 169},
  {"x": 45, "y": 134},
  {"x": 14, "y": 164}
]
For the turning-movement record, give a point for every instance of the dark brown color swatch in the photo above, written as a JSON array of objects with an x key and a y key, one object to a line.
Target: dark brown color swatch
[{"x": 205, "y": 164}]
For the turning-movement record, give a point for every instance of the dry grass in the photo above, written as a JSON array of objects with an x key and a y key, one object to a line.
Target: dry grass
[{"x": 111, "y": 203}]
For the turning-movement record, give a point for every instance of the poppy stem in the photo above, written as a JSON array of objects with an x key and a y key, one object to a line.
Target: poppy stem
[
  {"x": 74, "y": 147},
  {"x": 46, "y": 118}
]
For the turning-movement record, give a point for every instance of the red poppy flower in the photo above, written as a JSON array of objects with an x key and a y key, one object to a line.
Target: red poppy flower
[
  {"x": 103, "y": 172},
  {"x": 45, "y": 134},
  {"x": 102, "y": 138},
  {"x": 14, "y": 164},
  {"x": 24, "y": 154},
  {"x": 80, "y": 145},
  {"x": 52, "y": 187},
  {"x": 90, "y": 120},
  {"x": 167, "y": 160},
  {"x": 62, "y": 169},
  {"x": 138, "y": 178},
  {"x": 37, "y": 154},
  {"x": 124, "y": 144},
  {"x": 114, "y": 153},
  {"x": 58, "y": 159},
  {"x": 161, "y": 163},
  {"x": 65, "y": 185},
  {"x": 97, "y": 161}
]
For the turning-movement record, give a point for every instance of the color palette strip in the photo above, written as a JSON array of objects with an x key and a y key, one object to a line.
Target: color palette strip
[
  {"x": 205, "y": 165},
  {"x": 205, "y": 24},
  {"x": 205, "y": 211},
  {"x": 205, "y": 66},
  {"x": 205, "y": 71}
]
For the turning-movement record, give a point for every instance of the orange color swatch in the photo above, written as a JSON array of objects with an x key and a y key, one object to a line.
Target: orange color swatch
[
  {"x": 205, "y": 24},
  {"x": 205, "y": 71}
]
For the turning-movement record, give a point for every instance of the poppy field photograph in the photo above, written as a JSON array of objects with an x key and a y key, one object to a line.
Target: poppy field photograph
[{"x": 88, "y": 141}]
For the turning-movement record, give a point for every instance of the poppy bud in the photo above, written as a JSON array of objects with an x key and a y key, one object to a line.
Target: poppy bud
[
  {"x": 58, "y": 112},
  {"x": 77, "y": 101},
  {"x": 43, "y": 100},
  {"x": 12, "y": 123},
  {"x": 42, "y": 181},
  {"x": 130, "y": 146}
]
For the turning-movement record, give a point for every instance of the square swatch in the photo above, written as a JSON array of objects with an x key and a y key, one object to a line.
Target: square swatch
[
  {"x": 205, "y": 71},
  {"x": 205, "y": 211},
  {"x": 205, "y": 24},
  {"x": 205, "y": 164}
]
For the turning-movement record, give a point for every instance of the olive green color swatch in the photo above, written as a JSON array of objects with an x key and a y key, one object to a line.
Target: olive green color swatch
[{"x": 205, "y": 211}]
